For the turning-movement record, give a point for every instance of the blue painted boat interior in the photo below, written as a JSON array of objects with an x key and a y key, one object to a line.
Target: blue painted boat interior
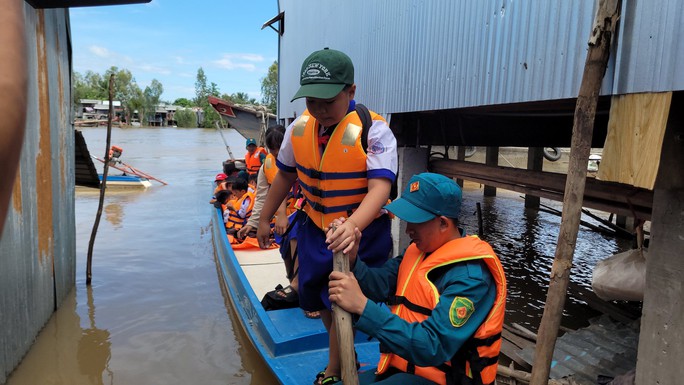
[{"x": 293, "y": 346}]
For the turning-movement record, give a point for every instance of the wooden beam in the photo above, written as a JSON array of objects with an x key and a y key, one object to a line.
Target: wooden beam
[
  {"x": 607, "y": 15},
  {"x": 600, "y": 195}
]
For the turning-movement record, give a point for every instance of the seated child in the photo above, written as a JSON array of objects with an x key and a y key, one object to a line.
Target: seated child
[
  {"x": 252, "y": 182},
  {"x": 239, "y": 209},
  {"x": 219, "y": 182}
]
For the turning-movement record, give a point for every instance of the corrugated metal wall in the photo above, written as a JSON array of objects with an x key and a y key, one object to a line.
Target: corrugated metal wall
[
  {"x": 413, "y": 55},
  {"x": 38, "y": 244}
]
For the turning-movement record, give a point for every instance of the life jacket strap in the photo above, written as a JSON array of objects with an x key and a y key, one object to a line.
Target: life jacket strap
[{"x": 401, "y": 300}]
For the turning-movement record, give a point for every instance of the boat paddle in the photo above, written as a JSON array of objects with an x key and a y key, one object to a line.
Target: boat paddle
[
  {"x": 343, "y": 323},
  {"x": 230, "y": 153}
]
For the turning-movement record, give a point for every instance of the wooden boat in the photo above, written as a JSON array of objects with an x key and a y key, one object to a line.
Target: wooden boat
[
  {"x": 86, "y": 174},
  {"x": 294, "y": 347},
  {"x": 249, "y": 121},
  {"x": 126, "y": 181}
]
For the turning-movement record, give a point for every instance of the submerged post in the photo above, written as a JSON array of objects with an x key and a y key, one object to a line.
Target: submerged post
[
  {"x": 103, "y": 184},
  {"x": 582, "y": 130}
]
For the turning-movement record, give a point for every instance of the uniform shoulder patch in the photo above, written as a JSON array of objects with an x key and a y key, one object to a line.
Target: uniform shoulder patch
[{"x": 461, "y": 309}]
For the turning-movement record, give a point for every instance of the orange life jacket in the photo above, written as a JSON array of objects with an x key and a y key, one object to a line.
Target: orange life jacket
[
  {"x": 234, "y": 221},
  {"x": 253, "y": 161},
  {"x": 417, "y": 296},
  {"x": 335, "y": 183},
  {"x": 270, "y": 168}
]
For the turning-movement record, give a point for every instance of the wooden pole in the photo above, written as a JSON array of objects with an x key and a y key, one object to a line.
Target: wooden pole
[
  {"x": 582, "y": 130},
  {"x": 343, "y": 325},
  {"x": 103, "y": 185}
]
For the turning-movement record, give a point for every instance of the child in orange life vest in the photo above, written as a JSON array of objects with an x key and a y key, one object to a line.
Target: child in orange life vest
[
  {"x": 338, "y": 177},
  {"x": 239, "y": 209},
  {"x": 273, "y": 139},
  {"x": 254, "y": 157},
  {"x": 252, "y": 182},
  {"x": 219, "y": 185}
]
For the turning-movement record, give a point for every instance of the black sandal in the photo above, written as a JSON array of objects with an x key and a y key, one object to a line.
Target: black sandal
[{"x": 287, "y": 293}]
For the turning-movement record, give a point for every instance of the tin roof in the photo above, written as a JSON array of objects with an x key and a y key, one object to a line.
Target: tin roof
[{"x": 412, "y": 55}]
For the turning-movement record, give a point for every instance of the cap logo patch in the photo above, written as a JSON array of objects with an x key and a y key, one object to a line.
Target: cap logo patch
[
  {"x": 415, "y": 186},
  {"x": 461, "y": 310},
  {"x": 316, "y": 71}
]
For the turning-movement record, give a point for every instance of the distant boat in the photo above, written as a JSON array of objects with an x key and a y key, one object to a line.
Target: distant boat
[
  {"x": 126, "y": 181},
  {"x": 86, "y": 174},
  {"x": 249, "y": 121}
]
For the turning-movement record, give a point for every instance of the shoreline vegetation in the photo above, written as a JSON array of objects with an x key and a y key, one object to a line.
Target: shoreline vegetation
[{"x": 138, "y": 104}]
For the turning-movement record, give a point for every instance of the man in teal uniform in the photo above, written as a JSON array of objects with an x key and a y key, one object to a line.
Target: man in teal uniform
[{"x": 448, "y": 294}]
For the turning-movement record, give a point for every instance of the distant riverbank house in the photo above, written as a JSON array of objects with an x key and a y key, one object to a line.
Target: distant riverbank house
[{"x": 92, "y": 109}]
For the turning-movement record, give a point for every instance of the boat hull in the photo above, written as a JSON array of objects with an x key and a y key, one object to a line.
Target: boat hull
[
  {"x": 294, "y": 347},
  {"x": 247, "y": 121},
  {"x": 126, "y": 181}
]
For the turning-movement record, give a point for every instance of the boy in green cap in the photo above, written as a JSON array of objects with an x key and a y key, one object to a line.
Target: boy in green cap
[
  {"x": 339, "y": 177},
  {"x": 447, "y": 295}
]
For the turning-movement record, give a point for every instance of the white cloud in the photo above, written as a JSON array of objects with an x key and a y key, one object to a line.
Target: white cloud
[
  {"x": 231, "y": 61},
  {"x": 99, "y": 51},
  {"x": 154, "y": 69}
]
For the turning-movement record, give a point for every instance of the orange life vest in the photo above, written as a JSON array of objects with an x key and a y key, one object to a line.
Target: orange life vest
[
  {"x": 270, "y": 171},
  {"x": 334, "y": 183},
  {"x": 253, "y": 161},
  {"x": 270, "y": 168},
  {"x": 476, "y": 361},
  {"x": 234, "y": 221}
]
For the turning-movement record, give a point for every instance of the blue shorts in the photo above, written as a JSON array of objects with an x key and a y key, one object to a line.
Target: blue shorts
[{"x": 316, "y": 261}]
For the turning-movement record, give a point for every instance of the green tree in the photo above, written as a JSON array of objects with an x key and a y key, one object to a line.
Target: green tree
[
  {"x": 185, "y": 118},
  {"x": 137, "y": 104},
  {"x": 125, "y": 88},
  {"x": 200, "y": 87},
  {"x": 183, "y": 102},
  {"x": 269, "y": 88},
  {"x": 242, "y": 98},
  {"x": 201, "y": 93},
  {"x": 151, "y": 95}
]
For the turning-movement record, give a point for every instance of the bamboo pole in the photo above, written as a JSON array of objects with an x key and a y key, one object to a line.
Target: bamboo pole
[
  {"x": 594, "y": 69},
  {"x": 343, "y": 325},
  {"x": 103, "y": 184}
]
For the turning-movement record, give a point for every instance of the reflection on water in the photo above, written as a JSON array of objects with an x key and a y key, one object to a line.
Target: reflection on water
[
  {"x": 525, "y": 241},
  {"x": 114, "y": 214},
  {"x": 155, "y": 313},
  {"x": 94, "y": 348}
]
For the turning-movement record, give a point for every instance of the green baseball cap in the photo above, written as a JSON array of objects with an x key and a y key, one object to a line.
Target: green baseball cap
[
  {"x": 427, "y": 196},
  {"x": 324, "y": 74},
  {"x": 250, "y": 141}
]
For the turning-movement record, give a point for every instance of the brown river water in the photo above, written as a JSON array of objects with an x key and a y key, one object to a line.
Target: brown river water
[{"x": 155, "y": 313}]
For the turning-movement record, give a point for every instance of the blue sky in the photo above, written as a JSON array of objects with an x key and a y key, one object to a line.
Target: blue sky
[{"x": 169, "y": 40}]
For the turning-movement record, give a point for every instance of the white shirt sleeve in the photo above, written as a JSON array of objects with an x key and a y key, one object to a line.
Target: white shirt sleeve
[
  {"x": 242, "y": 213},
  {"x": 286, "y": 153},
  {"x": 382, "y": 151}
]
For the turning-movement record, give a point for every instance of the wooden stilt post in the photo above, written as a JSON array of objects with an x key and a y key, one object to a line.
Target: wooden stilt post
[{"x": 583, "y": 126}]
